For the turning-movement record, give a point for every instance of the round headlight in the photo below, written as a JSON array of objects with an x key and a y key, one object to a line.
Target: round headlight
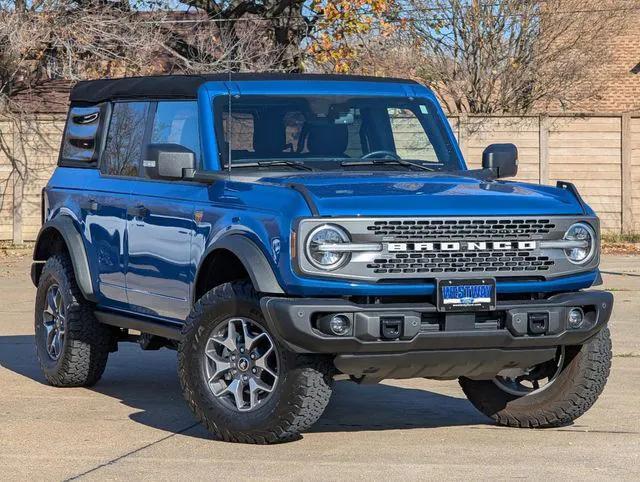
[
  {"x": 585, "y": 234},
  {"x": 316, "y": 244}
]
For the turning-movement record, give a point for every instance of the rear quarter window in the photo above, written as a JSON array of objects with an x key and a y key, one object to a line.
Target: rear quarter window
[{"x": 82, "y": 136}]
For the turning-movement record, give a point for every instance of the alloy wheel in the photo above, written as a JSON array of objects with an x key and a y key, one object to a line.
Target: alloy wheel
[
  {"x": 54, "y": 321},
  {"x": 241, "y": 364},
  {"x": 521, "y": 382}
]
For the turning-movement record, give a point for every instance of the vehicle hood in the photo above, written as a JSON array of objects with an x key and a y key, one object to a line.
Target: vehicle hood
[{"x": 437, "y": 194}]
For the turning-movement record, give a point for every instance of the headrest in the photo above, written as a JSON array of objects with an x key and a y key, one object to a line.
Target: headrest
[
  {"x": 269, "y": 136},
  {"x": 328, "y": 139}
]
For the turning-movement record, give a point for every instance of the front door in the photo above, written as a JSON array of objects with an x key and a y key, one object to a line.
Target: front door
[{"x": 161, "y": 224}]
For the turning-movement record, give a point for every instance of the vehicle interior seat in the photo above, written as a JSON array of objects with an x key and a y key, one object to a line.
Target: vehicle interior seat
[{"x": 327, "y": 140}]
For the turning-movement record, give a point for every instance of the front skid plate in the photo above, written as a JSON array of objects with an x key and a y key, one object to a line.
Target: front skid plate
[{"x": 441, "y": 364}]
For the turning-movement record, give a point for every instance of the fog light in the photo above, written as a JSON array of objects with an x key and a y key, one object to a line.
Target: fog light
[
  {"x": 576, "y": 316},
  {"x": 340, "y": 325}
]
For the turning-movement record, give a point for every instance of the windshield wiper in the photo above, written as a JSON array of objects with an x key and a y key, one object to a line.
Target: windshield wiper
[
  {"x": 380, "y": 162},
  {"x": 278, "y": 162}
]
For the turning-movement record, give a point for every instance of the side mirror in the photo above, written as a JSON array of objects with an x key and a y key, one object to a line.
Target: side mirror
[
  {"x": 502, "y": 159},
  {"x": 168, "y": 161}
]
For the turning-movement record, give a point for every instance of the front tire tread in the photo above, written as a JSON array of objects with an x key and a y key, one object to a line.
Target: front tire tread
[
  {"x": 310, "y": 377},
  {"x": 590, "y": 377}
]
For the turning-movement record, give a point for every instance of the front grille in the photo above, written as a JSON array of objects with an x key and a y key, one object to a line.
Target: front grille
[
  {"x": 460, "y": 262},
  {"x": 410, "y": 262},
  {"x": 452, "y": 229}
]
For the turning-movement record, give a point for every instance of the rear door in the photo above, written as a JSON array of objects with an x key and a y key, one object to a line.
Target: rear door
[
  {"x": 108, "y": 197},
  {"x": 161, "y": 224}
]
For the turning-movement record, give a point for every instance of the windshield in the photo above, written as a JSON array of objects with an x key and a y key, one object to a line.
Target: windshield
[{"x": 319, "y": 132}]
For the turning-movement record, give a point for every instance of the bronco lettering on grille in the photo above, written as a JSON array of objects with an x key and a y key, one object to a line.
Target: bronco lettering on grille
[{"x": 462, "y": 246}]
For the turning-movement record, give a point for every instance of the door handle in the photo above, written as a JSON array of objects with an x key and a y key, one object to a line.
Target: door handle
[
  {"x": 90, "y": 205},
  {"x": 138, "y": 211}
]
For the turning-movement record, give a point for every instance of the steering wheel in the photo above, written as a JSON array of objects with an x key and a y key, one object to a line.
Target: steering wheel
[{"x": 381, "y": 153}]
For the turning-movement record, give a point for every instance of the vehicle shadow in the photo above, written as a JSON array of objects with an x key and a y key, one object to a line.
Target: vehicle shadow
[{"x": 147, "y": 382}]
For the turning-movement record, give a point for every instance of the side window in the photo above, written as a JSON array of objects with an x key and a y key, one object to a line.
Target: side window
[
  {"x": 177, "y": 123},
  {"x": 123, "y": 149},
  {"x": 81, "y": 136},
  {"x": 408, "y": 136}
]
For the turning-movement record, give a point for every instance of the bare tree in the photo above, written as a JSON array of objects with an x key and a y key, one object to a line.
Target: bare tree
[
  {"x": 294, "y": 33},
  {"x": 45, "y": 40},
  {"x": 62, "y": 40},
  {"x": 54, "y": 39},
  {"x": 512, "y": 56},
  {"x": 391, "y": 55},
  {"x": 278, "y": 26},
  {"x": 206, "y": 47}
]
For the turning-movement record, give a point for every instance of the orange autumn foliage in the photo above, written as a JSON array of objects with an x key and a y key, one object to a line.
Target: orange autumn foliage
[{"x": 341, "y": 23}]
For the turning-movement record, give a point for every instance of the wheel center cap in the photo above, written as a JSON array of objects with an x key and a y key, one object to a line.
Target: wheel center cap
[{"x": 243, "y": 364}]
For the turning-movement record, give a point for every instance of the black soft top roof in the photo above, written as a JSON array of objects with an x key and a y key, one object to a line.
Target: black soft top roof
[{"x": 186, "y": 86}]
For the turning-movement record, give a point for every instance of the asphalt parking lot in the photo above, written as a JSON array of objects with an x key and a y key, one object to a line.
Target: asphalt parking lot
[{"x": 134, "y": 424}]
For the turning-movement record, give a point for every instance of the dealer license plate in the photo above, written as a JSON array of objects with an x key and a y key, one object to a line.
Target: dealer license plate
[{"x": 467, "y": 294}]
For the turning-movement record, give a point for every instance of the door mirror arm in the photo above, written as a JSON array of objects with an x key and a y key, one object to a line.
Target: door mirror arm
[{"x": 205, "y": 177}]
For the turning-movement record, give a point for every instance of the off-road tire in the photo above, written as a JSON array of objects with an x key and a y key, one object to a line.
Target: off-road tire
[
  {"x": 298, "y": 400},
  {"x": 87, "y": 342},
  {"x": 571, "y": 394}
]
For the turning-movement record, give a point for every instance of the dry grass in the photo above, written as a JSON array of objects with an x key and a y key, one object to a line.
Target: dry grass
[
  {"x": 621, "y": 238},
  {"x": 8, "y": 249},
  {"x": 621, "y": 243}
]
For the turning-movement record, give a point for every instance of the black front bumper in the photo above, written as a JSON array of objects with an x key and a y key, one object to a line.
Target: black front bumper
[{"x": 434, "y": 344}]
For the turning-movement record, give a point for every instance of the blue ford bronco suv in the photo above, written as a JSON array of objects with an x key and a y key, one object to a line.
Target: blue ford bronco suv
[{"x": 284, "y": 231}]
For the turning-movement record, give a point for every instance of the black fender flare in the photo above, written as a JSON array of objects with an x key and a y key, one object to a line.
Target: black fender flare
[
  {"x": 66, "y": 228},
  {"x": 252, "y": 258}
]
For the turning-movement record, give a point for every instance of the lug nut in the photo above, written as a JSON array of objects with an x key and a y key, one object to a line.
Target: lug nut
[
  {"x": 253, "y": 356},
  {"x": 233, "y": 357},
  {"x": 245, "y": 378},
  {"x": 254, "y": 370}
]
